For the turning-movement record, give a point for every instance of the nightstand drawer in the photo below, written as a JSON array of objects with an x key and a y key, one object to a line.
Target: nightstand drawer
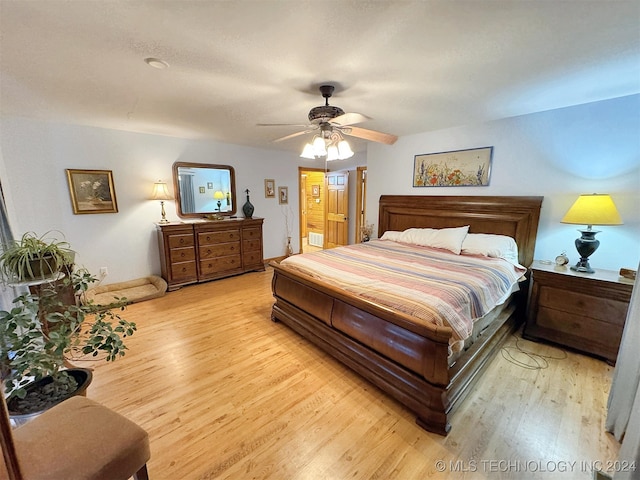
[
  {"x": 597, "y": 331},
  {"x": 582, "y": 305}
]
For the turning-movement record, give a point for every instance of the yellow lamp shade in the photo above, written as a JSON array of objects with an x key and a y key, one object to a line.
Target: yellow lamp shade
[
  {"x": 594, "y": 209},
  {"x": 218, "y": 195}
]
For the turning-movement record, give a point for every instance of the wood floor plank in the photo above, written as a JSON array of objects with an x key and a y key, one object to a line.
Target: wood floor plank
[{"x": 225, "y": 393}]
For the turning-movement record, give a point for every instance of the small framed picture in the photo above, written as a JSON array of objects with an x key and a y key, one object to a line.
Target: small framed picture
[
  {"x": 201, "y": 189},
  {"x": 269, "y": 188},
  {"x": 92, "y": 191},
  {"x": 283, "y": 195},
  {"x": 315, "y": 190},
  {"x": 210, "y": 185}
]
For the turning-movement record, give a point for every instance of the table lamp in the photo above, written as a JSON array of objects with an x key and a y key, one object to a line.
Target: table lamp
[
  {"x": 219, "y": 196},
  {"x": 594, "y": 209},
  {"x": 161, "y": 192}
]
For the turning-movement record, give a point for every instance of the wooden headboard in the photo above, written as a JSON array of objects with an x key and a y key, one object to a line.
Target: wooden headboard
[{"x": 516, "y": 217}]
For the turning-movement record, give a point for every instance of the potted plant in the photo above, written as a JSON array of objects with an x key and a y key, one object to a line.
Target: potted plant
[
  {"x": 34, "y": 257},
  {"x": 43, "y": 331}
]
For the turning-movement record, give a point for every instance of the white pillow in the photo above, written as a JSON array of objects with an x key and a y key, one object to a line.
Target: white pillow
[
  {"x": 489, "y": 245},
  {"x": 392, "y": 235},
  {"x": 446, "y": 238}
]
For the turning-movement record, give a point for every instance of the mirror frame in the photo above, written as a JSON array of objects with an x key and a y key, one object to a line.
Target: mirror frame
[{"x": 176, "y": 189}]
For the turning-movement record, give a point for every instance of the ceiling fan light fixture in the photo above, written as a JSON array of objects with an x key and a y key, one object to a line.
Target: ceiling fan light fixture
[
  {"x": 308, "y": 152},
  {"x": 344, "y": 150},
  {"x": 332, "y": 153},
  {"x": 319, "y": 147}
]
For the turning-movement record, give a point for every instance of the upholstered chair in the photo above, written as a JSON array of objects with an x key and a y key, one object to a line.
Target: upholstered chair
[{"x": 77, "y": 439}]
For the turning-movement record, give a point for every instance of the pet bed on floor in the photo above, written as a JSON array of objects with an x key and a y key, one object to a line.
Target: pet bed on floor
[{"x": 136, "y": 290}]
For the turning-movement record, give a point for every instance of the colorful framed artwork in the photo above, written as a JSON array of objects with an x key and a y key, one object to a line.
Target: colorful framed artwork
[
  {"x": 269, "y": 188},
  {"x": 459, "y": 168},
  {"x": 315, "y": 190},
  {"x": 283, "y": 195},
  {"x": 92, "y": 191}
]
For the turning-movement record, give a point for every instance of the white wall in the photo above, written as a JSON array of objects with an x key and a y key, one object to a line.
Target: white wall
[
  {"x": 560, "y": 154},
  {"x": 35, "y": 155}
]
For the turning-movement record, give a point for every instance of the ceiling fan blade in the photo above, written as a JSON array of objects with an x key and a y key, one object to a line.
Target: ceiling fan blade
[
  {"x": 293, "y": 135},
  {"x": 372, "y": 135},
  {"x": 350, "y": 119},
  {"x": 282, "y": 124}
]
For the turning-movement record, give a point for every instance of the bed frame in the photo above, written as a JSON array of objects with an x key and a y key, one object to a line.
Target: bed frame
[{"x": 316, "y": 310}]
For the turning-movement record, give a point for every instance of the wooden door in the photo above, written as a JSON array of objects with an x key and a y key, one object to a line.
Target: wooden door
[{"x": 337, "y": 217}]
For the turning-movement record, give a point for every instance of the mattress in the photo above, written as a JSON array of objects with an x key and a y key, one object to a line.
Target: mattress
[{"x": 431, "y": 285}]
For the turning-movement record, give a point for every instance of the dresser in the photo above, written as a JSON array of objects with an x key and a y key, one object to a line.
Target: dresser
[
  {"x": 584, "y": 311},
  {"x": 192, "y": 252}
]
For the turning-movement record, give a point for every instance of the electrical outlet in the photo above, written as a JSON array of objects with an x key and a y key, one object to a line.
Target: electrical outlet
[{"x": 104, "y": 271}]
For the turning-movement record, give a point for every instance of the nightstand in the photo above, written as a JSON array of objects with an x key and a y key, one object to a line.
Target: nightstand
[{"x": 584, "y": 311}]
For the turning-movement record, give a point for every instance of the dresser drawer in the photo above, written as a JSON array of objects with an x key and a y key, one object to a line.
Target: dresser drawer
[
  {"x": 176, "y": 241},
  {"x": 212, "y": 238},
  {"x": 252, "y": 233},
  {"x": 220, "y": 264},
  {"x": 182, "y": 254},
  {"x": 252, "y": 245},
  {"x": 252, "y": 258},
  {"x": 220, "y": 250},
  {"x": 183, "y": 271}
]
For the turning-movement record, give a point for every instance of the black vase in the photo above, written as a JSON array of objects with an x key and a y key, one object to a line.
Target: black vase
[{"x": 247, "y": 208}]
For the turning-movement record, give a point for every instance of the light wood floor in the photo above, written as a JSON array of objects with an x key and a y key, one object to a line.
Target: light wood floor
[{"x": 226, "y": 393}]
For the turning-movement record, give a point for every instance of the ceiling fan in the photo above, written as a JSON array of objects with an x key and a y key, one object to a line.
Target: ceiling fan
[{"x": 329, "y": 120}]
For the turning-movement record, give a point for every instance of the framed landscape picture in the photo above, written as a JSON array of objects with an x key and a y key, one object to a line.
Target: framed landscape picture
[
  {"x": 459, "y": 168},
  {"x": 92, "y": 191}
]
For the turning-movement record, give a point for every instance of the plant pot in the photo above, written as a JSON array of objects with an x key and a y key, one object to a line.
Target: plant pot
[
  {"x": 82, "y": 376},
  {"x": 43, "y": 267}
]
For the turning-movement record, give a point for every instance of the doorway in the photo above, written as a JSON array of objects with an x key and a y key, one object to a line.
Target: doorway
[
  {"x": 312, "y": 216},
  {"x": 324, "y": 209}
]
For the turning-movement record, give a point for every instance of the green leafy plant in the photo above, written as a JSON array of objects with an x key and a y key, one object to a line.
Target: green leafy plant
[
  {"x": 34, "y": 257},
  {"x": 41, "y": 333}
]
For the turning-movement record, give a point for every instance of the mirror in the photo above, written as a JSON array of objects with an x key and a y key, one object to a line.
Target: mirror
[{"x": 204, "y": 190}]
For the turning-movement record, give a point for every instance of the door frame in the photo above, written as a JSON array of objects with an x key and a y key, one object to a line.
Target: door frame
[
  {"x": 361, "y": 202},
  {"x": 301, "y": 201}
]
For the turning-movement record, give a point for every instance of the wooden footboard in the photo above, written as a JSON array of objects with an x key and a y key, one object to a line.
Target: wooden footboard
[{"x": 432, "y": 395}]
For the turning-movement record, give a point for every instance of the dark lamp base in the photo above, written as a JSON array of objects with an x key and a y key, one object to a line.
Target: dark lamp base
[
  {"x": 586, "y": 245},
  {"x": 582, "y": 266}
]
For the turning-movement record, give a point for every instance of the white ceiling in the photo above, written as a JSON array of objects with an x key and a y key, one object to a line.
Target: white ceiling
[{"x": 412, "y": 66}]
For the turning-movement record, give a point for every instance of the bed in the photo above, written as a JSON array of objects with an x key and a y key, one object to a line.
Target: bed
[{"x": 410, "y": 360}]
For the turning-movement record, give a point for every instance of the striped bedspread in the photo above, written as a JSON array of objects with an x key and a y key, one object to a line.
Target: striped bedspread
[{"x": 434, "y": 286}]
